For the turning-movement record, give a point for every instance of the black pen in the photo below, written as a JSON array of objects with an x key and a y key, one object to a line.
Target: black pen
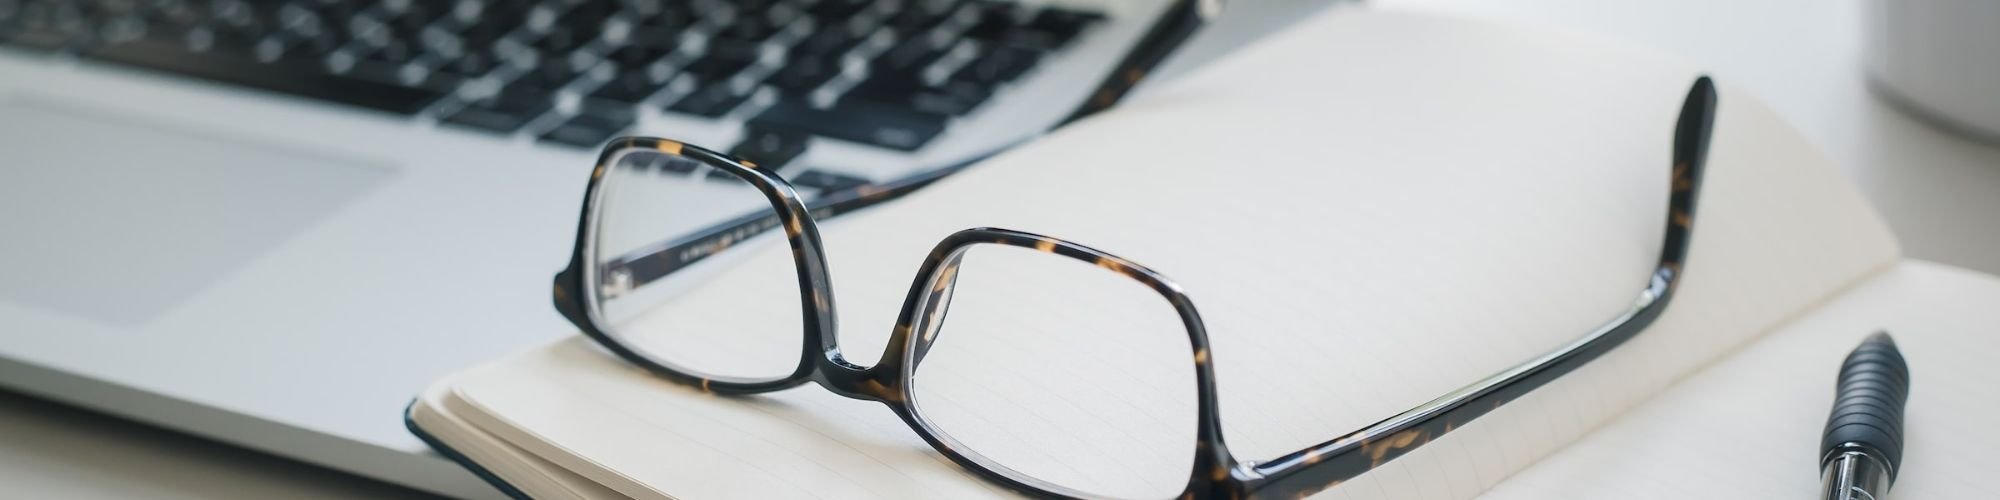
[{"x": 1863, "y": 445}]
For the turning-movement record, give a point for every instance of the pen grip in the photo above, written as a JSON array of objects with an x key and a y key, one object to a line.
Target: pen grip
[{"x": 1868, "y": 403}]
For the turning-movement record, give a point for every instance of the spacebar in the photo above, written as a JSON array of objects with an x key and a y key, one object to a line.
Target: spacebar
[{"x": 302, "y": 79}]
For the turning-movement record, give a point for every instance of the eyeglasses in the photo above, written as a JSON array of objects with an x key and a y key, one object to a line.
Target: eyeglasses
[{"x": 963, "y": 389}]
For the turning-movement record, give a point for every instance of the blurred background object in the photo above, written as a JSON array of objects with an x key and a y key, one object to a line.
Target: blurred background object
[
  {"x": 1938, "y": 190},
  {"x": 1939, "y": 60}
]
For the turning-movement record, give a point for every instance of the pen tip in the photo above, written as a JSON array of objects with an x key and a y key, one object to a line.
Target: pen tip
[{"x": 1881, "y": 336}]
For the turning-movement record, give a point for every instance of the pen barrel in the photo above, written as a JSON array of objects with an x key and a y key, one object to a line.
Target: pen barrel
[{"x": 1867, "y": 417}]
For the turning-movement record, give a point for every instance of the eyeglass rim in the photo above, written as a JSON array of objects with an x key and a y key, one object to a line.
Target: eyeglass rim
[
  {"x": 574, "y": 286},
  {"x": 906, "y": 340}
]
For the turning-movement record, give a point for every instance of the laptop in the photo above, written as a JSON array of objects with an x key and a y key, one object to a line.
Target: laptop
[{"x": 270, "y": 223}]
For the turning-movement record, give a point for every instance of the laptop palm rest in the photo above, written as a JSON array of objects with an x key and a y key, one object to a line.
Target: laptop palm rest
[{"x": 118, "y": 221}]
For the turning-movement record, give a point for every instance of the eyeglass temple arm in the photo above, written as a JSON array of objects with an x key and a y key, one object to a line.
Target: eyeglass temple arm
[
  {"x": 1333, "y": 462},
  {"x": 1173, "y": 28}
]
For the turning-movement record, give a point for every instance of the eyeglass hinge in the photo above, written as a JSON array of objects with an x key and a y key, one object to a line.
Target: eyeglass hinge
[{"x": 1248, "y": 469}]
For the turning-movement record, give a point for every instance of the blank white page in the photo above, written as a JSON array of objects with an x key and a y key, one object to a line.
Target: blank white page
[
  {"x": 1370, "y": 210},
  {"x": 1749, "y": 427}
]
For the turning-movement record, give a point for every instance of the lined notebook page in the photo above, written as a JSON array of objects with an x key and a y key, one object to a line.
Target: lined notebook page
[
  {"x": 1369, "y": 210},
  {"x": 1750, "y": 426}
]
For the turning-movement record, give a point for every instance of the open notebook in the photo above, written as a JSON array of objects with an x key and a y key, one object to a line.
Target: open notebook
[{"x": 1370, "y": 210}]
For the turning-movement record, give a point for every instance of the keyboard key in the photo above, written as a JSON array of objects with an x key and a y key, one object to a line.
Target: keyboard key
[
  {"x": 826, "y": 181},
  {"x": 321, "y": 45},
  {"x": 997, "y": 65},
  {"x": 504, "y": 114},
  {"x": 469, "y": 65},
  {"x": 752, "y": 7},
  {"x": 802, "y": 75},
  {"x": 630, "y": 88},
  {"x": 550, "y": 74},
  {"x": 302, "y": 80},
  {"x": 887, "y": 126},
  {"x": 443, "y": 83},
  {"x": 636, "y": 57},
  {"x": 586, "y": 21},
  {"x": 750, "y": 27},
  {"x": 724, "y": 59},
  {"x": 375, "y": 71},
  {"x": 721, "y": 176},
  {"x": 711, "y": 101},
  {"x": 675, "y": 164},
  {"x": 671, "y": 15},
  {"x": 654, "y": 37},
  {"x": 666, "y": 164},
  {"x": 334, "y": 13},
  {"x": 952, "y": 98},
  {"x": 1059, "y": 26},
  {"x": 40, "y": 39},
  {"x": 413, "y": 18},
  {"x": 639, "y": 162},
  {"x": 996, "y": 21},
  {"x": 1048, "y": 30},
  {"x": 490, "y": 119},
  {"x": 489, "y": 28},
  {"x": 224, "y": 44},
  {"x": 395, "y": 52},
  {"x": 830, "y": 40},
  {"x": 908, "y": 56},
  {"x": 562, "y": 39},
  {"x": 527, "y": 91},
  {"x": 837, "y": 11},
  {"x": 588, "y": 130},
  {"x": 918, "y": 17},
  {"x": 770, "y": 149}
]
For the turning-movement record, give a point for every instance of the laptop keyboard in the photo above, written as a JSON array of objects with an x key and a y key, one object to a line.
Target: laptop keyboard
[{"x": 887, "y": 73}]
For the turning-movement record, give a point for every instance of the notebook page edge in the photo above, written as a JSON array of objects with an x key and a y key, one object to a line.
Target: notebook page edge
[{"x": 438, "y": 410}]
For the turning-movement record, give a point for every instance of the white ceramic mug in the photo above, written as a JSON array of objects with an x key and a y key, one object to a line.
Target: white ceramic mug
[{"x": 1939, "y": 59}]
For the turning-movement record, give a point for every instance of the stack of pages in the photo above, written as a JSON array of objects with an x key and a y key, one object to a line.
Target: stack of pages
[{"x": 1370, "y": 210}]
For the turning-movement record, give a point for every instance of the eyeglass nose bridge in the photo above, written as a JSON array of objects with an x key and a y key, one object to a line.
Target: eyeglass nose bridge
[{"x": 883, "y": 382}]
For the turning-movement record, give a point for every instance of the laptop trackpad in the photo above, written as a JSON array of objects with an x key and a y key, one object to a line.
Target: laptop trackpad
[{"x": 119, "y": 222}]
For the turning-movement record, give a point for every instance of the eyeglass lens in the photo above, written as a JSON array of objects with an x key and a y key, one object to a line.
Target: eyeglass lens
[
  {"x": 1041, "y": 364},
  {"x": 649, "y": 201}
]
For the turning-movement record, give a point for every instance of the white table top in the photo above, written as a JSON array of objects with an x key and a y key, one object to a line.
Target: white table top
[{"x": 1938, "y": 191}]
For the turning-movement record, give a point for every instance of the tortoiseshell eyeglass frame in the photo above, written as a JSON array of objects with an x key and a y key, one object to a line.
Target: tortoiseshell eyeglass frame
[{"x": 1216, "y": 472}]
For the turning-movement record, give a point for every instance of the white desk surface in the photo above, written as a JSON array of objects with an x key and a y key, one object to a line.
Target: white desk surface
[{"x": 1941, "y": 193}]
